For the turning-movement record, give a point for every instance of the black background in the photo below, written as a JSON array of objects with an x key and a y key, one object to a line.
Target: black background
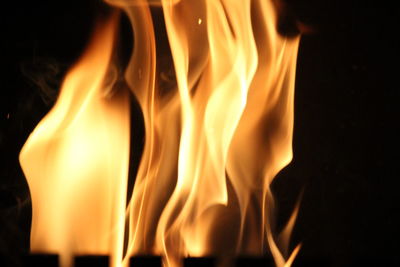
[{"x": 341, "y": 146}]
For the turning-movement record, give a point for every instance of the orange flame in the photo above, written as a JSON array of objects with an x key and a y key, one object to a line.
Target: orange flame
[
  {"x": 212, "y": 146},
  {"x": 76, "y": 161}
]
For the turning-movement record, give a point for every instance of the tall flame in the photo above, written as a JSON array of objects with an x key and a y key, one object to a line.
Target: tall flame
[
  {"x": 213, "y": 145},
  {"x": 76, "y": 160}
]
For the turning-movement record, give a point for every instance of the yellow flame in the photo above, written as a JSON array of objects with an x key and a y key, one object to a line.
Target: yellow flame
[
  {"x": 76, "y": 161},
  {"x": 213, "y": 144}
]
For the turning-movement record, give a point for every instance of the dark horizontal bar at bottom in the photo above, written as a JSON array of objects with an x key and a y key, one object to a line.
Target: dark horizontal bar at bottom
[
  {"x": 200, "y": 262},
  {"x": 253, "y": 262},
  {"x": 145, "y": 261},
  {"x": 91, "y": 261},
  {"x": 39, "y": 260},
  {"x": 311, "y": 263},
  {"x": 52, "y": 260}
]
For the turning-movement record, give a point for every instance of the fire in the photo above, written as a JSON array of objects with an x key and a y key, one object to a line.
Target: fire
[
  {"x": 213, "y": 145},
  {"x": 76, "y": 161}
]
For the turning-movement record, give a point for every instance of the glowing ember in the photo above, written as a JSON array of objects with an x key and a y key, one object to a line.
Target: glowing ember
[{"x": 212, "y": 146}]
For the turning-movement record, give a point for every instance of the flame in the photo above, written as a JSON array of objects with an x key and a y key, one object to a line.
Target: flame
[
  {"x": 76, "y": 161},
  {"x": 213, "y": 142}
]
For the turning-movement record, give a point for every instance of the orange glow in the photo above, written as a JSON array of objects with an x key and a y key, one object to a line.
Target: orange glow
[
  {"x": 213, "y": 143},
  {"x": 76, "y": 161}
]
